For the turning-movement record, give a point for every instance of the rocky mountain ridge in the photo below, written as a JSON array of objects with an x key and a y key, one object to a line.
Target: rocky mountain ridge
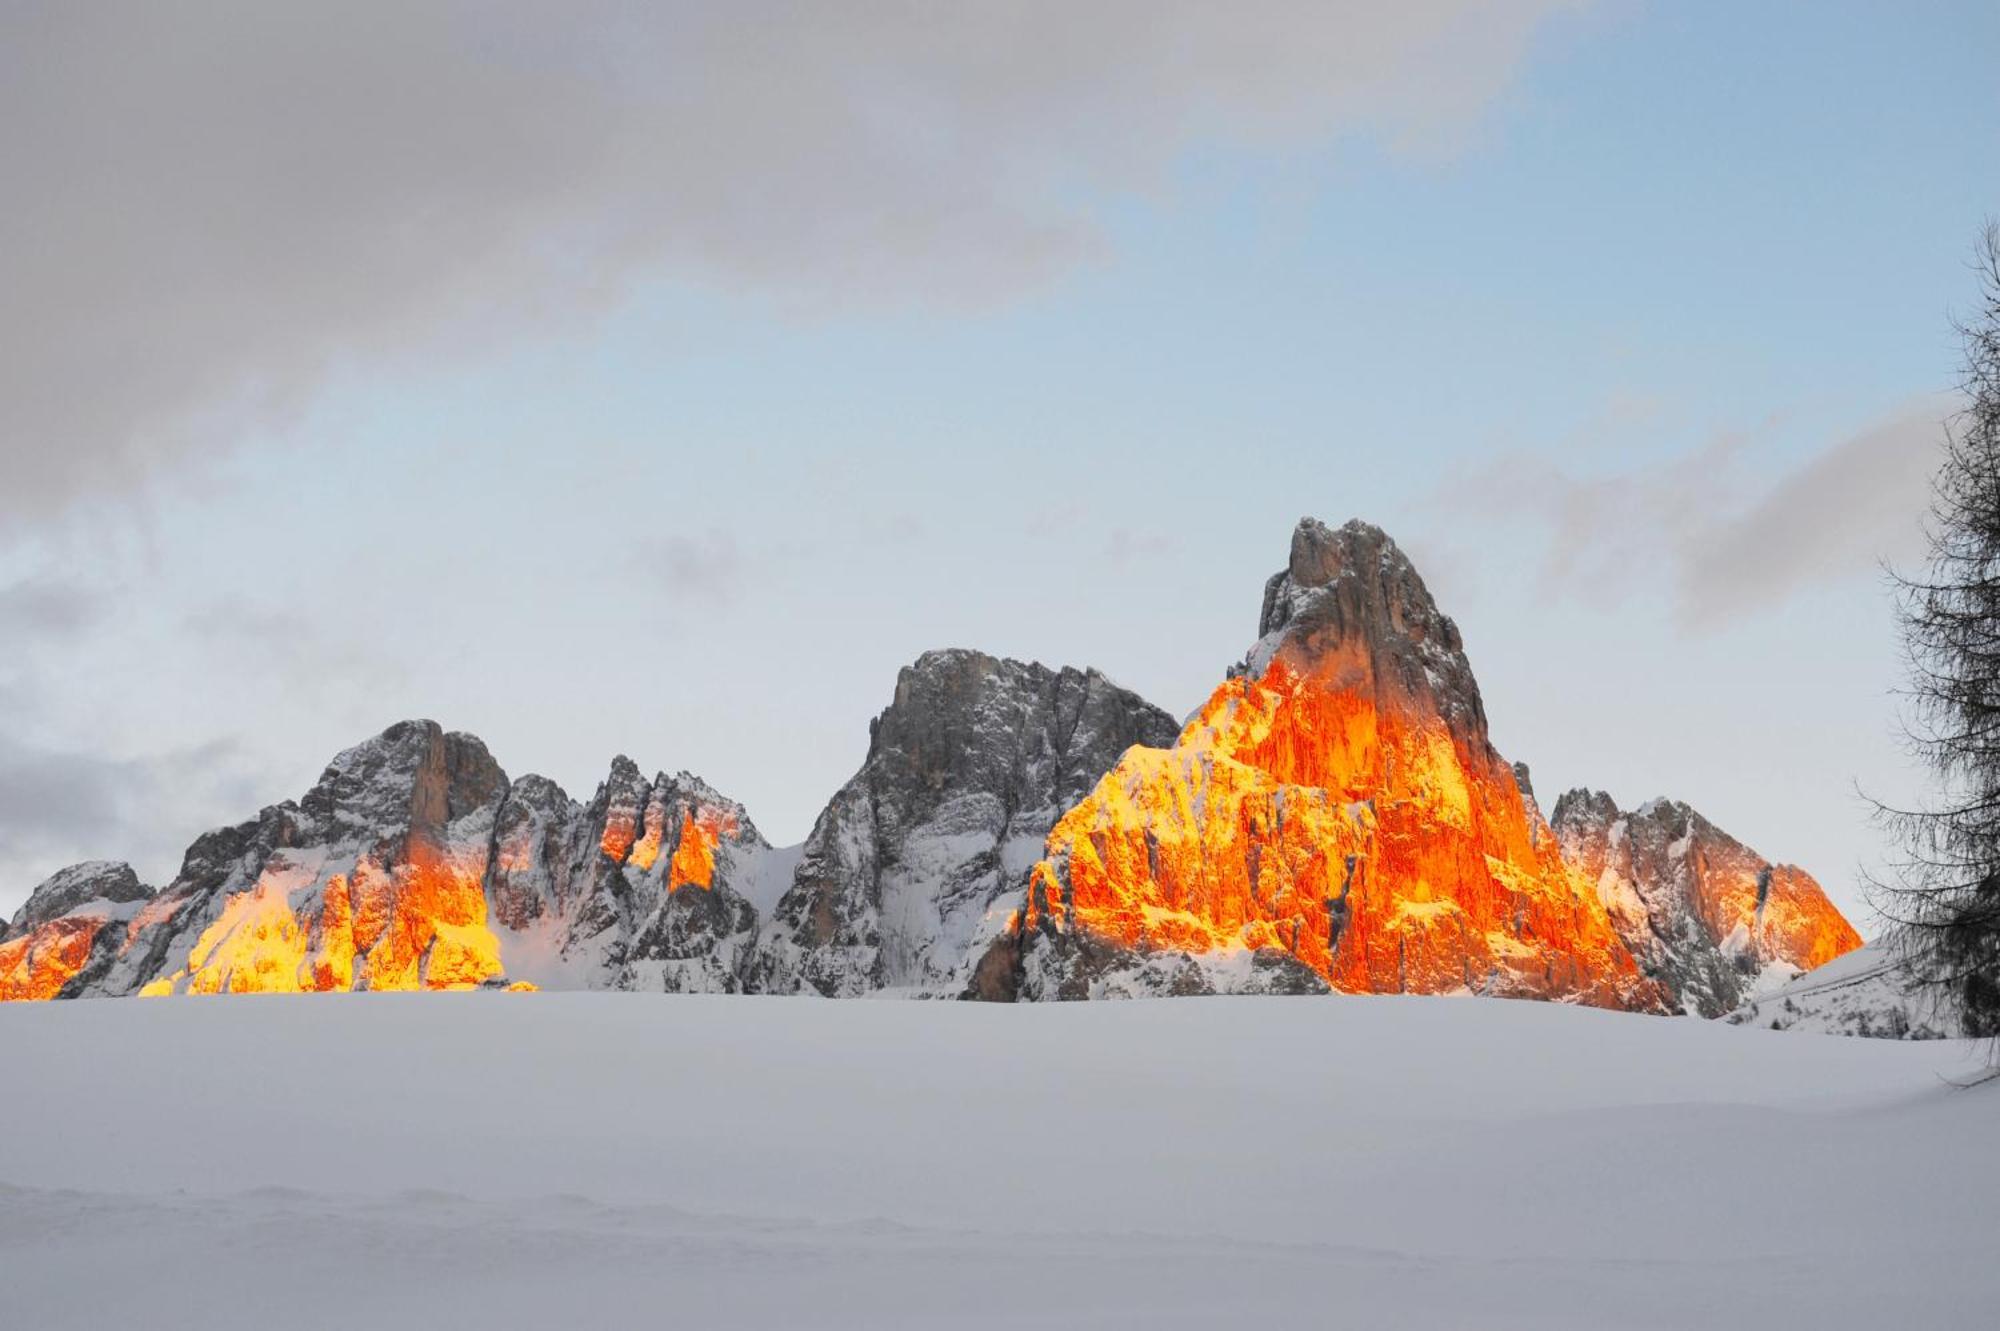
[
  {"x": 967, "y": 770},
  {"x": 1702, "y": 912},
  {"x": 66, "y": 921},
  {"x": 1333, "y": 818}
]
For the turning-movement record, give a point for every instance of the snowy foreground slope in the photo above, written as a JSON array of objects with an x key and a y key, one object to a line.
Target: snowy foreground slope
[
  {"x": 504, "y": 1160},
  {"x": 1863, "y": 993}
]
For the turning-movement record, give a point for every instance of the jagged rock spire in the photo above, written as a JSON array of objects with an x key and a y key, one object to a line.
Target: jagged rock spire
[{"x": 1335, "y": 814}]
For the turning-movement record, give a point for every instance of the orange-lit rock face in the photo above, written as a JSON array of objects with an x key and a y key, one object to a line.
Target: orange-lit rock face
[
  {"x": 1296, "y": 813},
  {"x": 1782, "y": 913},
  {"x": 413, "y": 863},
  {"x": 375, "y": 879},
  {"x": 671, "y": 817},
  {"x": 38, "y": 964},
  {"x": 1342, "y": 806},
  {"x": 418, "y": 924},
  {"x": 1698, "y": 908},
  {"x": 701, "y": 831},
  {"x": 70, "y": 924},
  {"x": 633, "y": 920},
  {"x": 621, "y": 835},
  {"x": 1798, "y": 923}
]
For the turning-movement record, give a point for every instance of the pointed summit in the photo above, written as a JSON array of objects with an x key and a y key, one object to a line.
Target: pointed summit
[
  {"x": 1334, "y": 816},
  {"x": 1351, "y": 593}
]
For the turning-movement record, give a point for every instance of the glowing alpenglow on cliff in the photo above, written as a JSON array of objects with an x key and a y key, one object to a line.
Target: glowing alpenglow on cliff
[
  {"x": 1335, "y": 817},
  {"x": 59, "y": 928},
  {"x": 1697, "y": 906},
  {"x": 414, "y": 864}
]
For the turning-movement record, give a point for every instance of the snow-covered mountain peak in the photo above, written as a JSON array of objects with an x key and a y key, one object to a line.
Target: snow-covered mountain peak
[
  {"x": 71, "y": 888},
  {"x": 967, "y": 768},
  {"x": 1704, "y": 913}
]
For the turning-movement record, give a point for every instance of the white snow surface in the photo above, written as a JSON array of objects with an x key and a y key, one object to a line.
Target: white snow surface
[
  {"x": 1863, "y": 993},
  {"x": 765, "y": 874},
  {"x": 537, "y": 1160}
]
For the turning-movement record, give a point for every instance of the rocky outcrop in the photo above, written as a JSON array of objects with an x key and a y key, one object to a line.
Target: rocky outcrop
[
  {"x": 69, "y": 890},
  {"x": 636, "y": 890},
  {"x": 69, "y": 926},
  {"x": 1704, "y": 914},
  {"x": 413, "y": 863},
  {"x": 967, "y": 770},
  {"x": 1334, "y": 816},
  {"x": 374, "y": 879}
]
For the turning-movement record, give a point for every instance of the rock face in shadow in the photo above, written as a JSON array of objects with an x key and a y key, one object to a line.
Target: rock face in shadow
[
  {"x": 1704, "y": 914},
  {"x": 968, "y": 768},
  {"x": 1333, "y": 817}
]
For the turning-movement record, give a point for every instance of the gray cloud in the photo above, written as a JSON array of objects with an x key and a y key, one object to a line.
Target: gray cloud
[
  {"x": 62, "y": 806},
  {"x": 708, "y": 570},
  {"x": 1125, "y": 548},
  {"x": 1701, "y": 523},
  {"x": 713, "y": 570},
  {"x": 211, "y": 203},
  {"x": 60, "y": 803},
  {"x": 43, "y": 609},
  {"x": 1842, "y": 512}
]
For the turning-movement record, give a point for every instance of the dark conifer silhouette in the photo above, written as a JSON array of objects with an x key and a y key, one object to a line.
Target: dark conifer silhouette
[{"x": 1943, "y": 893}]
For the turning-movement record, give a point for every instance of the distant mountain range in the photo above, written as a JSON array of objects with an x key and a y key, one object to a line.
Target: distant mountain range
[{"x": 1333, "y": 819}]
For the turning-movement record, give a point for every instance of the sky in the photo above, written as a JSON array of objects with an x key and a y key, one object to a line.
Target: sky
[{"x": 659, "y": 379}]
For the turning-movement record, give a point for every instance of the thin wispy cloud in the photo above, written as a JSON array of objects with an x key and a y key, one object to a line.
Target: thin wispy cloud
[
  {"x": 1126, "y": 548},
  {"x": 304, "y": 657},
  {"x": 1720, "y": 535},
  {"x": 706, "y": 570},
  {"x": 45, "y": 610},
  {"x": 1840, "y": 513}
]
